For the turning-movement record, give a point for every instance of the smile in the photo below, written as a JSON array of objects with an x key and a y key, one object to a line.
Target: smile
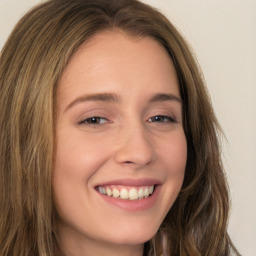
[{"x": 126, "y": 192}]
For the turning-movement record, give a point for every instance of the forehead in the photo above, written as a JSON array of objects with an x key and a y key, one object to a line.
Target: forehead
[
  {"x": 118, "y": 45},
  {"x": 114, "y": 60}
]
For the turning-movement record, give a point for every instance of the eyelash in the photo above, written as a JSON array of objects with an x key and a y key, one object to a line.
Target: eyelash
[
  {"x": 162, "y": 117},
  {"x": 94, "y": 120},
  {"x": 97, "y": 120}
]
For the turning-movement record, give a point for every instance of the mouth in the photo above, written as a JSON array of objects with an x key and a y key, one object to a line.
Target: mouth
[{"x": 126, "y": 192}]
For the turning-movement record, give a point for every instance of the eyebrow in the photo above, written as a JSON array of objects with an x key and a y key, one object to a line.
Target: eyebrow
[
  {"x": 161, "y": 97},
  {"x": 105, "y": 97},
  {"x": 112, "y": 97}
]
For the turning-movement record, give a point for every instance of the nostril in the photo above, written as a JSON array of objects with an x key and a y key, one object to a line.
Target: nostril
[{"x": 128, "y": 162}]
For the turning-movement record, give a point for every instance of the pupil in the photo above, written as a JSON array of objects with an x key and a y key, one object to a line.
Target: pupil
[
  {"x": 94, "y": 120},
  {"x": 158, "y": 118}
]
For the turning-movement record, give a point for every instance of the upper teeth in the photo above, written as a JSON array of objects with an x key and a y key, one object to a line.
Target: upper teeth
[{"x": 124, "y": 193}]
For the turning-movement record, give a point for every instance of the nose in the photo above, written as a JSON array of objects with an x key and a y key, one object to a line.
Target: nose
[{"x": 135, "y": 148}]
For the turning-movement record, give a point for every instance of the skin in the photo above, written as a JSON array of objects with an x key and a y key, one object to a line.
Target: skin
[{"x": 127, "y": 142}]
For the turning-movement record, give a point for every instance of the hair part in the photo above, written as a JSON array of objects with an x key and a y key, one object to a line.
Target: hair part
[{"x": 31, "y": 64}]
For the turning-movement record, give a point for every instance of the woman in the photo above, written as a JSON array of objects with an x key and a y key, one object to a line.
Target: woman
[{"x": 108, "y": 140}]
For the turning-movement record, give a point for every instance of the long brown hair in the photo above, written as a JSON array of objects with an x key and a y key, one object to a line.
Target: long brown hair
[{"x": 31, "y": 64}]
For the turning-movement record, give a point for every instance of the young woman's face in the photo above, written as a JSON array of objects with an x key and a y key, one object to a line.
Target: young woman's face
[{"x": 121, "y": 148}]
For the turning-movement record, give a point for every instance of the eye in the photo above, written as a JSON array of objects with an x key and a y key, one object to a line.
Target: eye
[
  {"x": 95, "y": 120},
  {"x": 161, "y": 119}
]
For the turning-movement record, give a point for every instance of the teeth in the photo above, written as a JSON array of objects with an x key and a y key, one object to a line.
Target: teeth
[
  {"x": 146, "y": 192},
  {"x": 124, "y": 193},
  {"x": 102, "y": 190},
  {"x": 109, "y": 192},
  {"x": 133, "y": 194},
  {"x": 116, "y": 193},
  {"x": 141, "y": 193},
  {"x": 151, "y": 189}
]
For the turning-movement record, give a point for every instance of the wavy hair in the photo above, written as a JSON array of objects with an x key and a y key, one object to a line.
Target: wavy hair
[{"x": 31, "y": 64}]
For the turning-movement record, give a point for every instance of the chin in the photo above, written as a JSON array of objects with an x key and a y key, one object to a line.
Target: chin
[{"x": 131, "y": 236}]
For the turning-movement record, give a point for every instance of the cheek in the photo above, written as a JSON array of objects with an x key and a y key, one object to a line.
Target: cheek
[
  {"x": 77, "y": 156},
  {"x": 76, "y": 160},
  {"x": 174, "y": 153}
]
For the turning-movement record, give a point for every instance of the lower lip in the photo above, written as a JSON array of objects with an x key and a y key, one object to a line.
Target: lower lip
[{"x": 133, "y": 205}]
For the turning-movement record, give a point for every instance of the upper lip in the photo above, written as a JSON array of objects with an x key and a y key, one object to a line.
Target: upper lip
[{"x": 131, "y": 182}]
